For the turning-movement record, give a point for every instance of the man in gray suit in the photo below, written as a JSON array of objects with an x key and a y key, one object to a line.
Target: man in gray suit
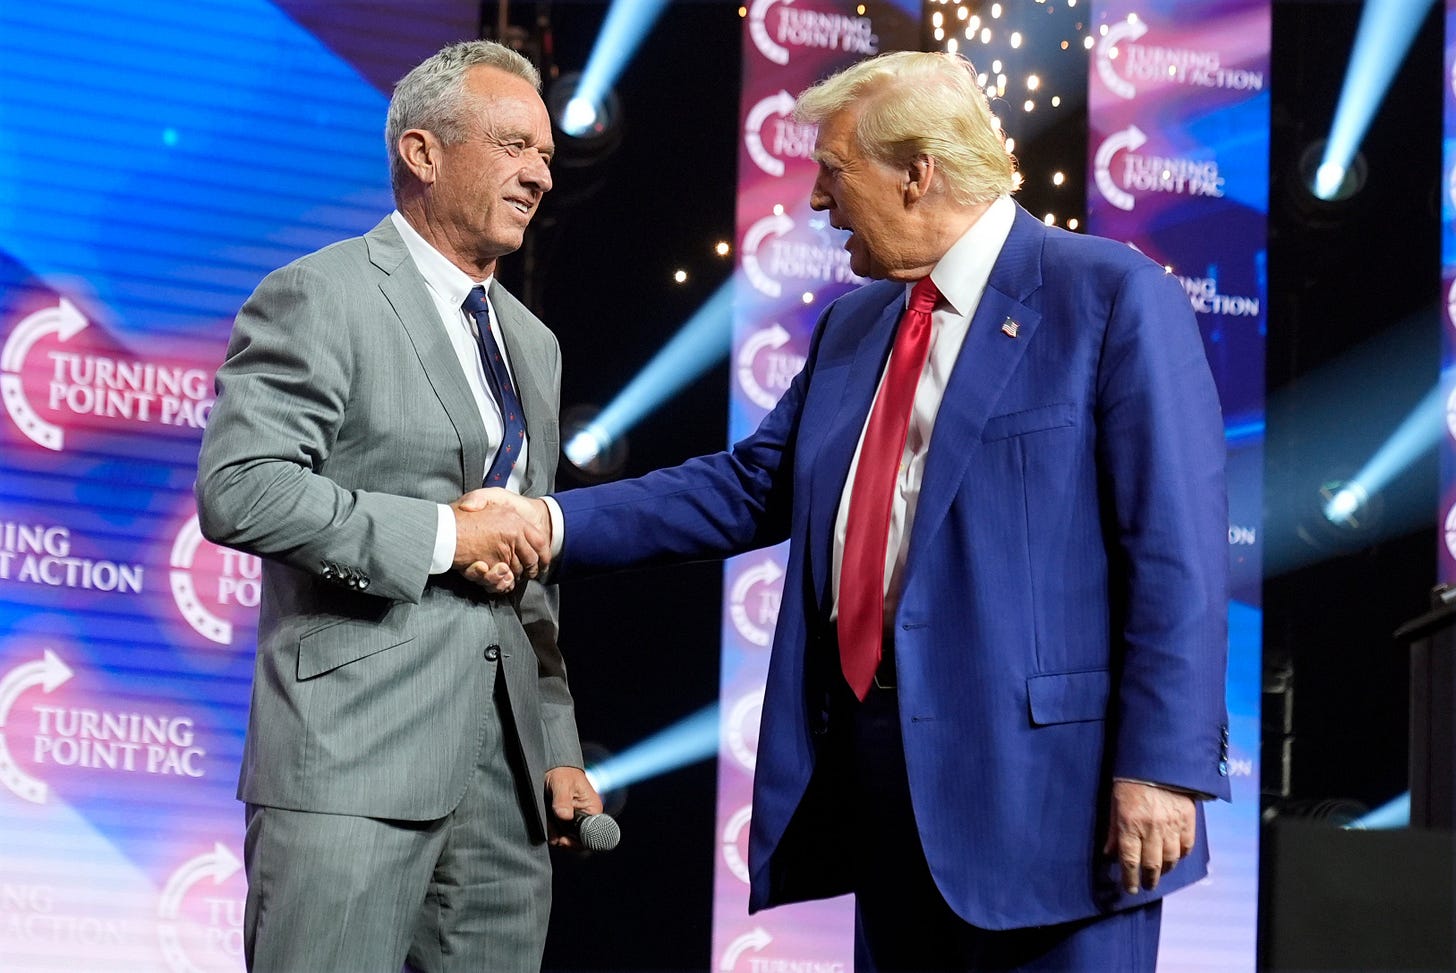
[{"x": 408, "y": 727}]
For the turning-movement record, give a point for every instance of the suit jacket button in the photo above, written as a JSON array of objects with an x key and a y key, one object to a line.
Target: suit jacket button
[
  {"x": 492, "y": 653},
  {"x": 363, "y": 583}
]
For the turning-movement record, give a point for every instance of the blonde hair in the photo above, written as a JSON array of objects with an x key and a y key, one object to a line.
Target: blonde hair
[{"x": 919, "y": 103}]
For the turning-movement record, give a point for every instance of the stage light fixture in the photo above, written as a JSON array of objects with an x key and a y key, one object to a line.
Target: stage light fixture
[
  {"x": 687, "y": 741},
  {"x": 1416, "y": 434},
  {"x": 1328, "y": 181},
  {"x": 589, "y": 124},
  {"x": 583, "y": 105},
  {"x": 1386, "y": 30},
  {"x": 698, "y": 344},
  {"x": 594, "y": 454}
]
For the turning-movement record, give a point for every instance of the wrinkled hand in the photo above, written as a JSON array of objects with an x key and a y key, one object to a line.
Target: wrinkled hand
[
  {"x": 494, "y": 545},
  {"x": 569, "y": 791},
  {"x": 1151, "y": 829},
  {"x": 532, "y": 510}
]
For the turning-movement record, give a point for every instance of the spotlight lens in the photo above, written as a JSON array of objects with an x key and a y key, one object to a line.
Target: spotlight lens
[
  {"x": 1327, "y": 180},
  {"x": 1345, "y": 504},
  {"x": 579, "y": 116},
  {"x": 583, "y": 448}
]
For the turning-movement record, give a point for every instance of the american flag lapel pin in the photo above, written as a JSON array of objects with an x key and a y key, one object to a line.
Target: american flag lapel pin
[{"x": 1009, "y": 328}]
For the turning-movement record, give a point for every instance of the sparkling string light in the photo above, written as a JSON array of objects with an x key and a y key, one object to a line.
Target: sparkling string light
[{"x": 1016, "y": 45}]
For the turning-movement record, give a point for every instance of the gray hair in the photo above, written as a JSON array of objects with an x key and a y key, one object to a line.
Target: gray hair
[
  {"x": 432, "y": 95},
  {"x": 918, "y": 103}
]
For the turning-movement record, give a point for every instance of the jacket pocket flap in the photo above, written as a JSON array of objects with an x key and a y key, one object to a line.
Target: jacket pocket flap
[
  {"x": 1053, "y": 416},
  {"x": 1069, "y": 697},
  {"x": 343, "y": 642}
]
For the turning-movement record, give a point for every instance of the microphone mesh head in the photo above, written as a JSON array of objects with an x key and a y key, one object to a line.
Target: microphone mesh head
[{"x": 599, "y": 832}]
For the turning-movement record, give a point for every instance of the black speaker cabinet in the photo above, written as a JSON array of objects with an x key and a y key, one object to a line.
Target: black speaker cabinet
[{"x": 1345, "y": 900}]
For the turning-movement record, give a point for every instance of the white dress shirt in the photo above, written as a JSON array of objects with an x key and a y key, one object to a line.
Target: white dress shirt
[
  {"x": 448, "y": 286},
  {"x": 961, "y": 277}
]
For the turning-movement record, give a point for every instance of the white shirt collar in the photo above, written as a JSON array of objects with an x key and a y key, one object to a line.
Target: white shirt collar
[
  {"x": 444, "y": 278},
  {"x": 961, "y": 274}
]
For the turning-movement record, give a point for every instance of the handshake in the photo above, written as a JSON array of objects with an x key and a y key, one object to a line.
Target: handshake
[{"x": 501, "y": 537}]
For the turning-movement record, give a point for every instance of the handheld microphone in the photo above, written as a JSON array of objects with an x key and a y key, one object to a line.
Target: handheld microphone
[{"x": 596, "y": 832}]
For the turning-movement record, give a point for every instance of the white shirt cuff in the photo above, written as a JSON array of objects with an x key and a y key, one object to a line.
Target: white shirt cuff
[
  {"x": 558, "y": 526},
  {"x": 444, "y": 557}
]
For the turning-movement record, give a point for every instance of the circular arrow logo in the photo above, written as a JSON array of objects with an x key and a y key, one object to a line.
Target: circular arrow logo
[
  {"x": 1126, "y": 30},
  {"x": 774, "y": 106},
  {"x": 758, "y": 30},
  {"x": 733, "y": 836},
  {"x": 755, "y": 612},
  {"x": 742, "y": 721},
  {"x": 63, "y": 322},
  {"x": 230, "y": 578},
  {"x": 776, "y": 225},
  {"x": 48, "y": 673},
  {"x": 772, "y": 338},
  {"x": 218, "y": 865},
  {"x": 1131, "y": 139},
  {"x": 755, "y": 939}
]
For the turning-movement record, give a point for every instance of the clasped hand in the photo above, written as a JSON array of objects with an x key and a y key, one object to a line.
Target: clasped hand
[{"x": 500, "y": 538}]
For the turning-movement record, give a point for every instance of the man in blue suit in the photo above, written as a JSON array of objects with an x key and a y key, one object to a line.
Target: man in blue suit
[{"x": 996, "y": 694}]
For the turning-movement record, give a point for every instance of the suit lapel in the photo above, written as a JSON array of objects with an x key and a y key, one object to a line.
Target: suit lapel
[
  {"x": 831, "y": 466},
  {"x": 409, "y": 296},
  {"x": 985, "y": 364}
]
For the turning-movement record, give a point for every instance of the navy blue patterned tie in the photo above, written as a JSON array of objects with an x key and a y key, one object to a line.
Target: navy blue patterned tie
[{"x": 500, "y": 385}]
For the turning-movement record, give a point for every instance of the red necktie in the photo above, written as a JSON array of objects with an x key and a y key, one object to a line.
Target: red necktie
[{"x": 867, "y": 530}]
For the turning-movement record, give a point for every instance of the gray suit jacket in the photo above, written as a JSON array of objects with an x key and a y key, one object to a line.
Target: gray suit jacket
[{"x": 342, "y": 419}]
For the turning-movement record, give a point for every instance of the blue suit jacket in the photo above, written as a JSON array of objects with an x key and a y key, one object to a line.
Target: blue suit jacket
[{"x": 1063, "y": 614}]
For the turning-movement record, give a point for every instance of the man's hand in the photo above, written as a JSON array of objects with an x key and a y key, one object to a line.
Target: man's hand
[
  {"x": 494, "y": 544},
  {"x": 568, "y": 791},
  {"x": 532, "y": 510},
  {"x": 1151, "y": 829}
]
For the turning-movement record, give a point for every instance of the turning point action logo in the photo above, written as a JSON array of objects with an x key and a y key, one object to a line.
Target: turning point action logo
[
  {"x": 89, "y": 385},
  {"x": 1120, "y": 61}
]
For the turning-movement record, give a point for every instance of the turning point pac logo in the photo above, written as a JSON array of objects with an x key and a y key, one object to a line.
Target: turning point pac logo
[
  {"x": 801, "y": 27},
  {"x": 787, "y": 139},
  {"x": 1149, "y": 173},
  {"x": 72, "y": 737},
  {"x": 66, "y": 382},
  {"x": 213, "y": 587},
  {"x": 47, "y": 674}
]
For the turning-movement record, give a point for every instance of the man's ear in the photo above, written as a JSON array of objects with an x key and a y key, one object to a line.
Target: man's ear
[
  {"x": 420, "y": 151},
  {"x": 919, "y": 174}
]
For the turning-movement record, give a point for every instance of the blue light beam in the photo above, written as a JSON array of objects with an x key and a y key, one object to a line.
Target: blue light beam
[
  {"x": 1394, "y": 814},
  {"x": 627, "y": 23},
  {"x": 1417, "y": 433},
  {"x": 687, "y": 741},
  {"x": 1386, "y": 30},
  {"x": 697, "y": 345}
]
